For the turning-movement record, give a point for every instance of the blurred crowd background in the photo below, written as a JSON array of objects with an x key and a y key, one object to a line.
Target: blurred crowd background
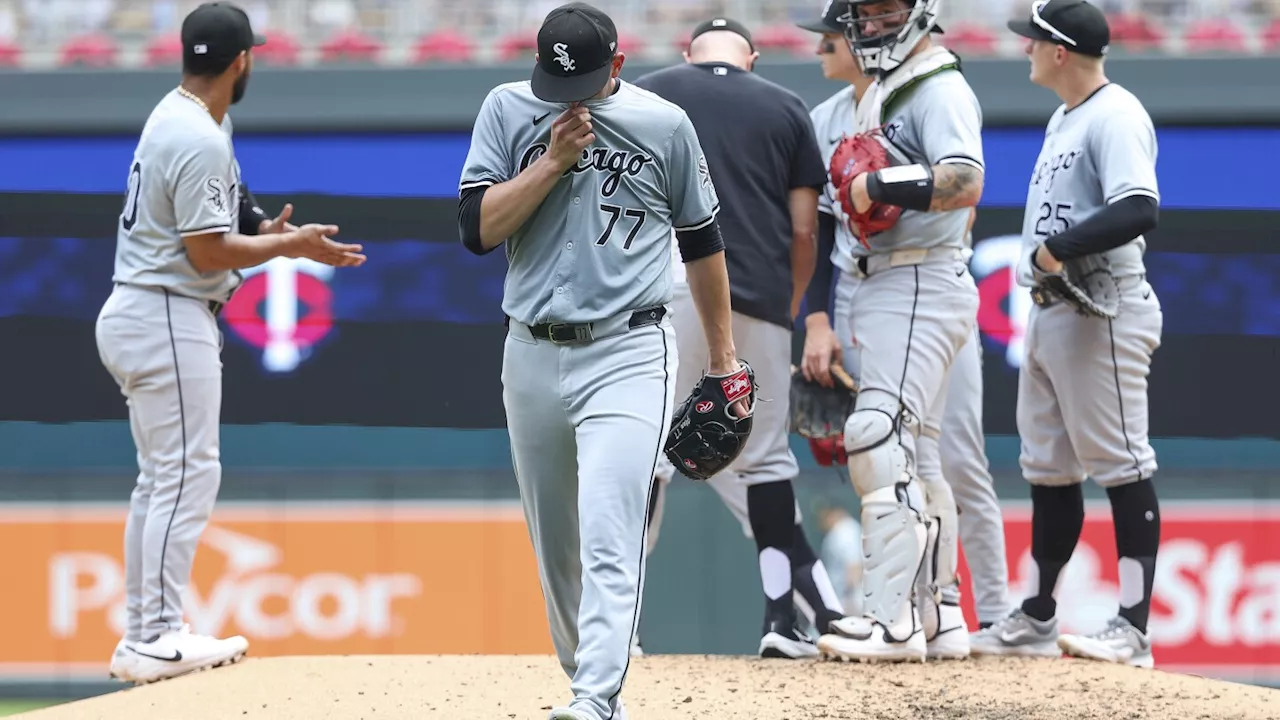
[{"x": 137, "y": 33}]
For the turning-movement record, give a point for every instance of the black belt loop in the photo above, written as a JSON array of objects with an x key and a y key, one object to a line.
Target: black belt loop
[{"x": 583, "y": 332}]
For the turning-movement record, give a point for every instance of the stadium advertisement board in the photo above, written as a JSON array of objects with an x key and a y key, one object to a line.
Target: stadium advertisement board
[
  {"x": 296, "y": 579},
  {"x": 1216, "y": 601},
  {"x": 312, "y": 579}
]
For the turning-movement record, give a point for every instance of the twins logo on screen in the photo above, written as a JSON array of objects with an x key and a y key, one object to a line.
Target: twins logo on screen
[
  {"x": 1003, "y": 304},
  {"x": 284, "y": 308}
]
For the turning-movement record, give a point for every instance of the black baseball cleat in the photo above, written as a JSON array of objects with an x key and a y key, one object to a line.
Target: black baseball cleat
[{"x": 783, "y": 640}]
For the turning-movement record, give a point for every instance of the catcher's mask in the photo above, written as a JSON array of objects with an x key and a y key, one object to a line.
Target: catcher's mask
[{"x": 882, "y": 33}]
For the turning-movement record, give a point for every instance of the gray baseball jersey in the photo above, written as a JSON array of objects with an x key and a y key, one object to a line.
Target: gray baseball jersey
[
  {"x": 163, "y": 349},
  {"x": 184, "y": 181},
  {"x": 600, "y": 242},
  {"x": 587, "y": 420},
  {"x": 941, "y": 124},
  {"x": 1101, "y": 151}
]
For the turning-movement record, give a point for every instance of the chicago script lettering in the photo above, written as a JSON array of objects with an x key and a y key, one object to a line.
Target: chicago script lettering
[{"x": 613, "y": 163}]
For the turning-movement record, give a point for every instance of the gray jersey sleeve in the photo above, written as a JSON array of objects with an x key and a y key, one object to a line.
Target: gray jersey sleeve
[
  {"x": 1125, "y": 152},
  {"x": 489, "y": 158},
  {"x": 950, "y": 124},
  {"x": 202, "y": 201},
  {"x": 694, "y": 203}
]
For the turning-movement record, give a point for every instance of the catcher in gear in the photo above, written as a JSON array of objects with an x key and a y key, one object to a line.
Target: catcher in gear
[
  {"x": 905, "y": 304},
  {"x": 1082, "y": 386}
]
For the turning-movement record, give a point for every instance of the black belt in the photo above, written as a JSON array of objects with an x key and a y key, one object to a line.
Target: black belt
[
  {"x": 215, "y": 306},
  {"x": 582, "y": 332}
]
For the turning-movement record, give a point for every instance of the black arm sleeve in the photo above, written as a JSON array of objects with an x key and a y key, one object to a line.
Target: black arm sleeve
[
  {"x": 817, "y": 295},
  {"x": 469, "y": 219},
  {"x": 251, "y": 215},
  {"x": 700, "y": 243},
  {"x": 1109, "y": 228}
]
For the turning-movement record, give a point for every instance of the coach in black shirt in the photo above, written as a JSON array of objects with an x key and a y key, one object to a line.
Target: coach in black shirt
[{"x": 764, "y": 159}]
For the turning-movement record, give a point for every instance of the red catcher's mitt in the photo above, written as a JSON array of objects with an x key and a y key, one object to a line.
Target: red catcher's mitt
[{"x": 855, "y": 155}]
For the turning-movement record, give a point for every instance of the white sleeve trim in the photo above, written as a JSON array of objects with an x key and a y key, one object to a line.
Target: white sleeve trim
[
  {"x": 206, "y": 231},
  {"x": 698, "y": 226},
  {"x": 1134, "y": 193},
  {"x": 476, "y": 184},
  {"x": 961, "y": 160}
]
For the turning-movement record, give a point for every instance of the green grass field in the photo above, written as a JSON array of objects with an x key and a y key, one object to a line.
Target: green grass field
[{"x": 13, "y": 707}]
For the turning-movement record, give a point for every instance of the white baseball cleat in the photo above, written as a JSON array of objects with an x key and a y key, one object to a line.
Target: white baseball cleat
[
  {"x": 179, "y": 652},
  {"x": 122, "y": 662},
  {"x": 1120, "y": 642},
  {"x": 861, "y": 639},
  {"x": 951, "y": 642}
]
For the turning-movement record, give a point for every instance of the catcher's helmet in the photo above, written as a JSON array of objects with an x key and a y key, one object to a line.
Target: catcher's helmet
[{"x": 885, "y": 48}]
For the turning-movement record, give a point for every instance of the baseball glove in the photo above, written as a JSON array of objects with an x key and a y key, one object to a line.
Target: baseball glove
[
  {"x": 819, "y": 413},
  {"x": 1085, "y": 284},
  {"x": 856, "y": 154},
  {"x": 705, "y": 437}
]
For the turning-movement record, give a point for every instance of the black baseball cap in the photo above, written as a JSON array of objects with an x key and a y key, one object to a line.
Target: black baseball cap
[
  {"x": 214, "y": 34},
  {"x": 721, "y": 23},
  {"x": 1073, "y": 24},
  {"x": 576, "y": 45},
  {"x": 835, "y": 13}
]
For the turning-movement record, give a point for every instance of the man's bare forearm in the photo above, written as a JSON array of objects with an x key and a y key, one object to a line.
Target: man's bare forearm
[
  {"x": 955, "y": 186},
  {"x": 804, "y": 255},
  {"x": 709, "y": 286},
  {"x": 506, "y": 206},
  {"x": 233, "y": 251}
]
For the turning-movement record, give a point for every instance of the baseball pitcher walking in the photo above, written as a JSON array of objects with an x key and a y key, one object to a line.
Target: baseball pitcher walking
[
  {"x": 188, "y": 225},
  {"x": 910, "y": 303},
  {"x": 767, "y": 173},
  {"x": 1082, "y": 390},
  {"x": 584, "y": 178}
]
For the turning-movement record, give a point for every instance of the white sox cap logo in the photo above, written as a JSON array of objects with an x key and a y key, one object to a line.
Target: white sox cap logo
[{"x": 562, "y": 57}]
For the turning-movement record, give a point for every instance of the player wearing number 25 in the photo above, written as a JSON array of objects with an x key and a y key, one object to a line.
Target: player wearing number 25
[
  {"x": 188, "y": 225},
  {"x": 1082, "y": 389},
  {"x": 584, "y": 178}
]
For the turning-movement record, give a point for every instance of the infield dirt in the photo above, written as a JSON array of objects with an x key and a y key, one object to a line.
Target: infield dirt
[{"x": 673, "y": 687}]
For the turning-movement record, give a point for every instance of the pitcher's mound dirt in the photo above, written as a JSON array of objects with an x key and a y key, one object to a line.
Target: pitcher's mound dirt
[{"x": 673, "y": 687}]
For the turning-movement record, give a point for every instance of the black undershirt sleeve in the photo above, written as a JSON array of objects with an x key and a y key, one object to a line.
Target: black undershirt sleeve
[
  {"x": 251, "y": 215},
  {"x": 703, "y": 242},
  {"x": 1111, "y": 227},
  {"x": 819, "y": 290},
  {"x": 469, "y": 219}
]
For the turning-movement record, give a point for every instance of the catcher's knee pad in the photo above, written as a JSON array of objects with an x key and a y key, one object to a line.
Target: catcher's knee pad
[
  {"x": 876, "y": 458},
  {"x": 893, "y": 544}
]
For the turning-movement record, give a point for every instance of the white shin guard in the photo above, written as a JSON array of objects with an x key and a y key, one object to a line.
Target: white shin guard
[{"x": 893, "y": 540}]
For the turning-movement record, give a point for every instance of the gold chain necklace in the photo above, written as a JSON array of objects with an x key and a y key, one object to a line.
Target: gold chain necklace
[{"x": 192, "y": 96}]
